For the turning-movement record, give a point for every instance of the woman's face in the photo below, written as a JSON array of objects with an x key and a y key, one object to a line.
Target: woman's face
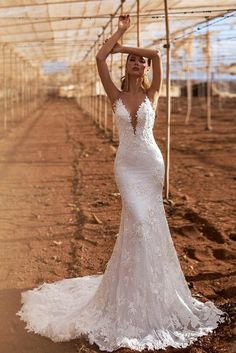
[{"x": 136, "y": 65}]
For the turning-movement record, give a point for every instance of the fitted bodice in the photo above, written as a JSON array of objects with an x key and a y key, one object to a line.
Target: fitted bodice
[{"x": 143, "y": 132}]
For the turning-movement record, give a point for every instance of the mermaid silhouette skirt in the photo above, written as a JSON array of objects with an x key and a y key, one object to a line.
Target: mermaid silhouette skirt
[{"x": 142, "y": 300}]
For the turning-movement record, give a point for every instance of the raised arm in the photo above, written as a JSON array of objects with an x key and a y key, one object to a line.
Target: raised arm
[{"x": 110, "y": 88}]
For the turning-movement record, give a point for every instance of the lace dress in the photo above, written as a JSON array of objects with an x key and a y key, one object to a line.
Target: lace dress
[{"x": 142, "y": 300}]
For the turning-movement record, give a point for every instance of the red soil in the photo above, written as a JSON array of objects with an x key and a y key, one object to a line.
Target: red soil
[{"x": 60, "y": 211}]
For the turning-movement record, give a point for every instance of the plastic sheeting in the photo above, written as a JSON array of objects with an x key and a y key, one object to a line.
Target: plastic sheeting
[{"x": 70, "y": 31}]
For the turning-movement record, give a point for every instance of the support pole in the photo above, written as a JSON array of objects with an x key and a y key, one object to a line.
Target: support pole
[
  {"x": 168, "y": 103},
  {"x": 105, "y": 114},
  {"x": 91, "y": 87},
  {"x": 218, "y": 77},
  {"x": 208, "y": 126},
  {"x": 91, "y": 99},
  {"x": 26, "y": 87},
  {"x": 37, "y": 89},
  {"x": 111, "y": 31},
  {"x": 5, "y": 87},
  {"x": 17, "y": 87},
  {"x": 2, "y": 88},
  {"x": 12, "y": 88},
  {"x": 23, "y": 88},
  {"x": 189, "y": 96},
  {"x": 138, "y": 23},
  {"x": 100, "y": 105},
  {"x": 121, "y": 42},
  {"x": 113, "y": 128},
  {"x": 96, "y": 96},
  {"x": 29, "y": 84}
]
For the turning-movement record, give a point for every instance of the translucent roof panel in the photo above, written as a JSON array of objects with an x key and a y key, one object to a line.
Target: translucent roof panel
[{"x": 69, "y": 30}]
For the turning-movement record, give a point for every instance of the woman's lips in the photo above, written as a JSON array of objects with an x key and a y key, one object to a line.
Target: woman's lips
[{"x": 135, "y": 68}]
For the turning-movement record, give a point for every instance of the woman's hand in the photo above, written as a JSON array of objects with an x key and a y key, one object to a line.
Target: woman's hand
[{"x": 124, "y": 22}]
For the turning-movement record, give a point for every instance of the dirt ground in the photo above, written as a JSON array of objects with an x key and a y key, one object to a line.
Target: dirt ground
[{"x": 60, "y": 211}]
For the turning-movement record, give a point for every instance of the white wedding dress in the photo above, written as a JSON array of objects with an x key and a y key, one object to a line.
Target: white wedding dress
[{"x": 142, "y": 300}]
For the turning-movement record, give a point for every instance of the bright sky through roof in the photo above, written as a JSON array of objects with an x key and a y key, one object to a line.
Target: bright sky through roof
[{"x": 51, "y": 67}]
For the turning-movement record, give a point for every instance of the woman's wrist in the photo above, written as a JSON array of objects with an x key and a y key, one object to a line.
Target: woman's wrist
[
  {"x": 121, "y": 31},
  {"x": 124, "y": 50}
]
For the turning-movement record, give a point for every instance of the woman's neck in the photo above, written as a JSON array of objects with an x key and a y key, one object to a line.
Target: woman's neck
[{"x": 135, "y": 85}]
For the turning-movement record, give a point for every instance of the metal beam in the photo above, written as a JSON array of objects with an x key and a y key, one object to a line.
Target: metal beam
[
  {"x": 63, "y": 2},
  {"x": 45, "y": 31}
]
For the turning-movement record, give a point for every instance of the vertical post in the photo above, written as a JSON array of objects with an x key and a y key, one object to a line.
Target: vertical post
[
  {"x": 2, "y": 80},
  {"x": 91, "y": 87},
  {"x": 23, "y": 88},
  {"x": 96, "y": 97},
  {"x": 189, "y": 95},
  {"x": 20, "y": 87},
  {"x": 121, "y": 42},
  {"x": 12, "y": 88},
  {"x": 35, "y": 88},
  {"x": 91, "y": 99},
  {"x": 30, "y": 84},
  {"x": 99, "y": 104},
  {"x": 218, "y": 76},
  {"x": 39, "y": 88},
  {"x": 111, "y": 62},
  {"x": 17, "y": 87},
  {"x": 27, "y": 87},
  {"x": 103, "y": 102},
  {"x": 168, "y": 103},
  {"x": 208, "y": 127},
  {"x": 93, "y": 68},
  {"x": 105, "y": 114},
  {"x": 138, "y": 23},
  {"x": 5, "y": 87},
  {"x": 111, "y": 31}
]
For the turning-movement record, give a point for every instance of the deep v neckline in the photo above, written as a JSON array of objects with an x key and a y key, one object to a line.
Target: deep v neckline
[{"x": 136, "y": 114}]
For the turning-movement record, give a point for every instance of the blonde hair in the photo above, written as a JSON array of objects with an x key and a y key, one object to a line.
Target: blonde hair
[{"x": 145, "y": 84}]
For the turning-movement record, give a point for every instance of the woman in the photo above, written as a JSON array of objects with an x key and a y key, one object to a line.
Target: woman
[
  {"x": 142, "y": 300},
  {"x": 135, "y": 81}
]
